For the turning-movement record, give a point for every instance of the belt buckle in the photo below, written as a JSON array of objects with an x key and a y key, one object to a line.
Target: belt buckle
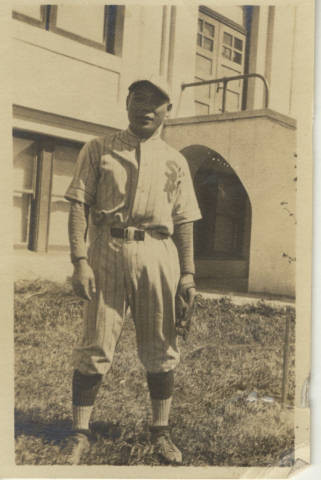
[
  {"x": 133, "y": 234},
  {"x": 129, "y": 233},
  {"x": 126, "y": 234}
]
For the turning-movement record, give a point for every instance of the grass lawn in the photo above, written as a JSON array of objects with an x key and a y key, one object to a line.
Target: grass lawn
[{"x": 232, "y": 351}]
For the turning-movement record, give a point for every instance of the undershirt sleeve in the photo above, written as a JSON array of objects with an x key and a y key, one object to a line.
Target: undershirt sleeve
[
  {"x": 77, "y": 229},
  {"x": 183, "y": 239}
]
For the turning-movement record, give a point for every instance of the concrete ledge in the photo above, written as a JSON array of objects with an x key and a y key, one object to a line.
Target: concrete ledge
[
  {"x": 228, "y": 116},
  {"x": 217, "y": 268}
]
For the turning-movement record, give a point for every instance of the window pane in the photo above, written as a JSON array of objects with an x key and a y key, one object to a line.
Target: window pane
[
  {"x": 237, "y": 58},
  {"x": 203, "y": 65},
  {"x": 238, "y": 43},
  {"x": 208, "y": 44},
  {"x": 24, "y": 153},
  {"x": 227, "y": 39},
  {"x": 29, "y": 10},
  {"x": 85, "y": 21},
  {"x": 227, "y": 53},
  {"x": 199, "y": 39},
  {"x": 209, "y": 29},
  {"x": 200, "y": 25},
  {"x": 201, "y": 109}
]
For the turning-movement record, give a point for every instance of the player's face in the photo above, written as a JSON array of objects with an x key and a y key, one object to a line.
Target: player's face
[{"x": 147, "y": 108}]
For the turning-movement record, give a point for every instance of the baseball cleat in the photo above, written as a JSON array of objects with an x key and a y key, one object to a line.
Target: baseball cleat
[
  {"x": 78, "y": 443},
  {"x": 164, "y": 446}
]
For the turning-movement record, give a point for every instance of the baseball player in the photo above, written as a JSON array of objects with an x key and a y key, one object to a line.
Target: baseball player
[{"x": 135, "y": 195}]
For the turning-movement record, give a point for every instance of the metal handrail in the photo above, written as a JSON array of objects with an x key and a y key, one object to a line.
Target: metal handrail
[{"x": 225, "y": 81}]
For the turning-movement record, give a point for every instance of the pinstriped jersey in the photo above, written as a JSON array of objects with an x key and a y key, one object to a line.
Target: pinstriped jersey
[{"x": 127, "y": 181}]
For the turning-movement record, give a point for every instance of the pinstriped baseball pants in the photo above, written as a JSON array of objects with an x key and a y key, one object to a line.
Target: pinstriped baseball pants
[{"x": 144, "y": 276}]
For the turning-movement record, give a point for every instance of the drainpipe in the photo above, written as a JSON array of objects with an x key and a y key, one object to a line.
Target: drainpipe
[
  {"x": 248, "y": 12},
  {"x": 171, "y": 46},
  {"x": 164, "y": 45}
]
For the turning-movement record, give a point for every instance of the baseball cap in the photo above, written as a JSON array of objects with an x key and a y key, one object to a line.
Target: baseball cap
[{"x": 157, "y": 81}]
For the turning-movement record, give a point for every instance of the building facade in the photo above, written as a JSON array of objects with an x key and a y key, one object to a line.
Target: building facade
[{"x": 71, "y": 69}]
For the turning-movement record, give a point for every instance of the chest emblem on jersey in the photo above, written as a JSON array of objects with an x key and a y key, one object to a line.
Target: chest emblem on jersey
[{"x": 173, "y": 174}]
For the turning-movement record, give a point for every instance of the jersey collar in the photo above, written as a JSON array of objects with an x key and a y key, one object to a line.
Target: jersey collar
[{"x": 135, "y": 139}]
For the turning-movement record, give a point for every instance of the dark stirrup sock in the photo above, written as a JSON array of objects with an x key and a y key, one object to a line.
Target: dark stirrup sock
[
  {"x": 85, "y": 388},
  {"x": 161, "y": 385}
]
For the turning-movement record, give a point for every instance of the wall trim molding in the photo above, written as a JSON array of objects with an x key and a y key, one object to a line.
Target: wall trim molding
[
  {"x": 228, "y": 116},
  {"x": 71, "y": 128}
]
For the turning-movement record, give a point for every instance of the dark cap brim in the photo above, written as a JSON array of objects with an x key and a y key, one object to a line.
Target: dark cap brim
[{"x": 135, "y": 84}]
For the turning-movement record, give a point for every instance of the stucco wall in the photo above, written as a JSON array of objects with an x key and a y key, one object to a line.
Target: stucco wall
[
  {"x": 55, "y": 74},
  {"x": 282, "y": 63},
  {"x": 261, "y": 151}
]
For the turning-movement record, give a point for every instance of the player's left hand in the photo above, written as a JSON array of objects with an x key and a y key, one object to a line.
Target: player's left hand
[{"x": 184, "y": 304}]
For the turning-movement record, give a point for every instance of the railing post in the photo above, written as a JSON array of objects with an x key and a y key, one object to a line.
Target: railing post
[{"x": 224, "y": 95}]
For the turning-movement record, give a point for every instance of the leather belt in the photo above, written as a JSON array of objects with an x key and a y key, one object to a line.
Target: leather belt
[{"x": 128, "y": 233}]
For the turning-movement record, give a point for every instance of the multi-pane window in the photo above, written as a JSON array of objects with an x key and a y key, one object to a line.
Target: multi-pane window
[
  {"x": 232, "y": 48},
  {"x": 43, "y": 168},
  {"x": 219, "y": 53},
  {"x": 24, "y": 168},
  {"x": 205, "y": 36},
  {"x": 99, "y": 26}
]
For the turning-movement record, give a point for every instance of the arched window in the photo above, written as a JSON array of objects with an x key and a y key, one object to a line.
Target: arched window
[{"x": 223, "y": 202}]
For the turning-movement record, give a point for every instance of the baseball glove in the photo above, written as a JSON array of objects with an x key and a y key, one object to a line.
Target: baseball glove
[{"x": 184, "y": 307}]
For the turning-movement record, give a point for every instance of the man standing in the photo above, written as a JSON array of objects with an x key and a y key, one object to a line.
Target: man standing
[{"x": 138, "y": 193}]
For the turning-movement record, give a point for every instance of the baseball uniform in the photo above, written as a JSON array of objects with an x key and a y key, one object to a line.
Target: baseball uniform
[{"x": 144, "y": 185}]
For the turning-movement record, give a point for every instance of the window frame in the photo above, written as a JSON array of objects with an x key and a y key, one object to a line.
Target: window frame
[
  {"x": 74, "y": 36},
  {"x": 40, "y": 205},
  {"x": 29, "y": 192},
  {"x": 220, "y": 18},
  {"x": 112, "y": 31}
]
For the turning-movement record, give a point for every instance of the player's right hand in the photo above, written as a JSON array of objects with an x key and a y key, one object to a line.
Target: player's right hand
[{"x": 83, "y": 280}]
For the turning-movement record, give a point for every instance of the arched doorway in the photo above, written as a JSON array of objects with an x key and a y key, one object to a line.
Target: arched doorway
[{"x": 222, "y": 236}]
